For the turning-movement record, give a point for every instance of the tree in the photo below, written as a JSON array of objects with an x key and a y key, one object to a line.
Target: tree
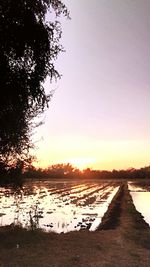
[
  {"x": 29, "y": 44},
  {"x": 61, "y": 169}
]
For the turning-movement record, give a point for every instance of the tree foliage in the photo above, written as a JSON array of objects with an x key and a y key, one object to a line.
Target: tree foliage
[{"x": 29, "y": 44}]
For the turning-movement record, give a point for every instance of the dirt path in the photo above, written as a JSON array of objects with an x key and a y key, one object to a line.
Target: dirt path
[
  {"x": 122, "y": 212},
  {"x": 122, "y": 240}
]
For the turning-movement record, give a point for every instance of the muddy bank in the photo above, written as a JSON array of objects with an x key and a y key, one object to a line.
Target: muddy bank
[
  {"x": 120, "y": 210},
  {"x": 111, "y": 218}
]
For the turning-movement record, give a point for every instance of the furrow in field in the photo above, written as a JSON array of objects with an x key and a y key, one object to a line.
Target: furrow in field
[
  {"x": 102, "y": 197},
  {"x": 67, "y": 197},
  {"x": 66, "y": 189},
  {"x": 98, "y": 198},
  {"x": 83, "y": 193},
  {"x": 79, "y": 191},
  {"x": 87, "y": 194}
]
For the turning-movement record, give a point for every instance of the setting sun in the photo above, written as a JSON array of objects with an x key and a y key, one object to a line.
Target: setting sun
[
  {"x": 81, "y": 163},
  {"x": 75, "y": 133}
]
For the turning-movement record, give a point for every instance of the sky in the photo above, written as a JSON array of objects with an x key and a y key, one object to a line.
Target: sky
[{"x": 99, "y": 115}]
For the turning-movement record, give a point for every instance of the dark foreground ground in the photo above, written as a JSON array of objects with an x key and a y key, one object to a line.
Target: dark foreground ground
[{"x": 122, "y": 240}]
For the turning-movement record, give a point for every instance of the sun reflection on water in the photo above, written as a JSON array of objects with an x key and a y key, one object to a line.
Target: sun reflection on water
[{"x": 56, "y": 206}]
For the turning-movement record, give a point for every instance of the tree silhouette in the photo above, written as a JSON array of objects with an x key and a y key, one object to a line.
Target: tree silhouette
[{"x": 29, "y": 44}]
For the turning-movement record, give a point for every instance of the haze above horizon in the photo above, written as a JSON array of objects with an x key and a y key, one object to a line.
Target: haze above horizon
[{"x": 99, "y": 116}]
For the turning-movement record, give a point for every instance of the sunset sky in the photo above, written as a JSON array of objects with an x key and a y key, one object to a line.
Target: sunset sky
[{"x": 99, "y": 116}]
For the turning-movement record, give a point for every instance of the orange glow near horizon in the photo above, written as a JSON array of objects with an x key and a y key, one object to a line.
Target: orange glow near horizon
[
  {"x": 99, "y": 116},
  {"x": 98, "y": 155},
  {"x": 79, "y": 163}
]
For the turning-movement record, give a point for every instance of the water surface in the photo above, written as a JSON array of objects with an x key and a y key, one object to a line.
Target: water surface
[
  {"x": 140, "y": 192},
  {"x": 58, "y": 206}
]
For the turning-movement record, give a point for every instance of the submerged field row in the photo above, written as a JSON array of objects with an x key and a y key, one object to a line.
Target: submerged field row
[
  {"x": 67, "y": 189},
  {"x": 97, "y": 199},
  {"x": 73, "y": 190},
  {"x": 91, "y": 194},
  {"x": 87, "y": 194},
  {"x": 80, "y": 190},
  {"x": 72, "y": 197},
  {"x": 75, "y": 207},
  {"x": 68, "y": 195}
]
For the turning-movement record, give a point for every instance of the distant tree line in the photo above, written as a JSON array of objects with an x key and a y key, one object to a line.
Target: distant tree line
[
  {"x": 20, "y": 171},
  {"x": 68, "y": 171}
]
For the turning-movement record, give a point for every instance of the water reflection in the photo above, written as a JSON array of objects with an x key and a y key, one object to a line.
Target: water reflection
[
  {"x": 140, "y": 192},
  {"x": 56, "y": 206}
]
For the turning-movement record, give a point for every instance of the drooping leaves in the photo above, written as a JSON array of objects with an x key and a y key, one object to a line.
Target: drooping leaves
[{"x": 29, "y": 44}]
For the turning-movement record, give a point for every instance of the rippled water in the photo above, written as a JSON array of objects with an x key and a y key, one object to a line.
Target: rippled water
[{"x": 56, "y": 206}]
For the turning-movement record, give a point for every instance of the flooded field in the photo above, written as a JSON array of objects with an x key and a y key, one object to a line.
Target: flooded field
[
  {"x": 140, "y": 192},
  {"x": 58, "y": 206}
]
